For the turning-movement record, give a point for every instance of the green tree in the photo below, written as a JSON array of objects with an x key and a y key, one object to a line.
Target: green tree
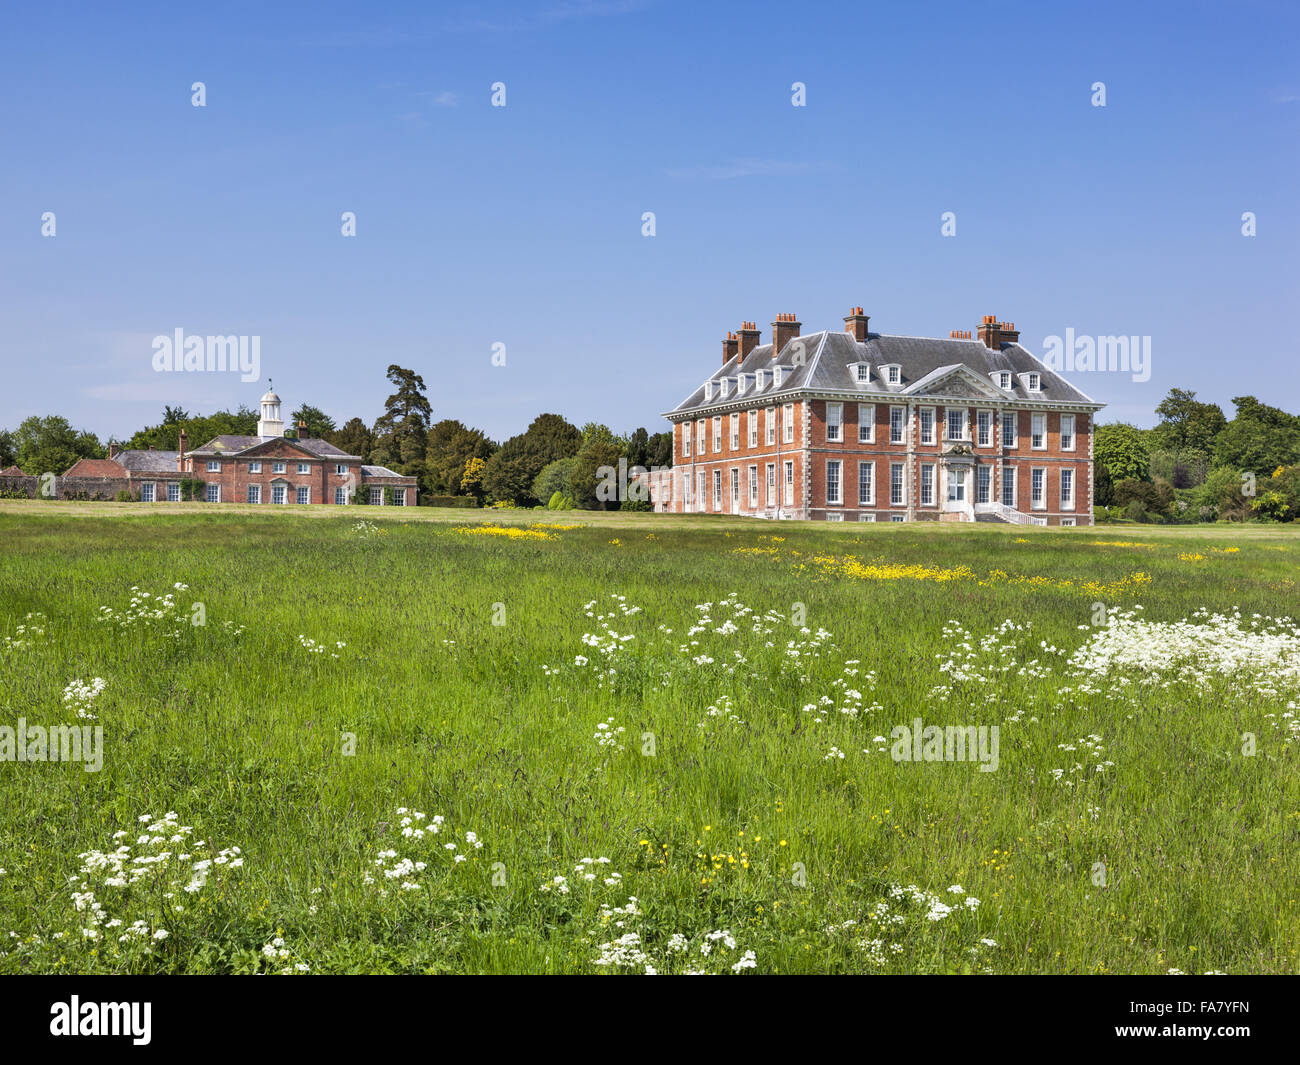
[
  {"x": 353, "y": 439},
  {"x": 554, "y": 478},
  {"x": 1220, "y": 497},
  {"x": 1186, "y": 424},
  {"x": 451, "y": 444},
  {"x": 1259, "y": 438},
  {"x": 198, "y": 430},
  {"x": 401, "y": 433},
  {"x": 8, "y": 449},
  {"x": 51, "y": 445},
  {"x": 591, "y": 472},
  {"x": 511, "y": 470},
  {"x": 1122, "y": 449},
  {"x": 319, "y": 424}
]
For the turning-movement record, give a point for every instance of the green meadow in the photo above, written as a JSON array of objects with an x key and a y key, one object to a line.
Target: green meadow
[{"x": 450, "y": 741}]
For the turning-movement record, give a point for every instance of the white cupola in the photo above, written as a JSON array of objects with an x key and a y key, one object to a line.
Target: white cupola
[{"x": 270, "y": 423}]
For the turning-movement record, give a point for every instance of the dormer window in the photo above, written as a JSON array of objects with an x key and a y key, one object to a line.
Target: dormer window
[
  {"x": 893, "y": 373},
  {"x": 760, "y": 380},
  {"x": 778, "y": 375},
  {"x": 708, "y": 391},
  {"x": 742, "y": 384},
  {"x": 1032, "y": 382},
  {"x": 1002, "y": 379},
  {"x": 725, "y": 387},
  {"x": 861, "y": 372}
]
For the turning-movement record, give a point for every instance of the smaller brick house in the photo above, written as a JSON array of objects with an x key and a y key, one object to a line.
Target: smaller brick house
[
  {"x": 273, "y": 468},
  {"x": 267, "y": 468}
]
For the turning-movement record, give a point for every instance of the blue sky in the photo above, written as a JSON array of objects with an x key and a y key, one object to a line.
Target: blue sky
[{"x": 522, "y": 225}]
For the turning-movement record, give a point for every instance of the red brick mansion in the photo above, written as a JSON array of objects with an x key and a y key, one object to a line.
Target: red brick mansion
[
  {"x": 267, "y": 468},
  {"x": 859, "y": 426}
]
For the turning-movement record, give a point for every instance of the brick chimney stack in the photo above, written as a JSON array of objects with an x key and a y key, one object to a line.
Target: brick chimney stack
[
  {"x": 784, "y": 330},
  {"x": 990, "y": 333},
  {"x": 112, "y": 450},
  {"x": 855, "y": 324},
  {"x": 302, "y": 430},
  {"x": 748, "y": 337},
  {"x": 730, "y": 344},
  {"x": 959, "y": 334}
]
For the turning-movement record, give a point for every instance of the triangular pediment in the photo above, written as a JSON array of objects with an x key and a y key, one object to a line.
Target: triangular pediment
[
  {"x": 958, "y": 381},
  {"x": 277, "y": 446}
]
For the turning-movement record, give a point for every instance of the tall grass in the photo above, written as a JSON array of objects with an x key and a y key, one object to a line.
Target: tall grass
[{"x": 1182, "y": 855}]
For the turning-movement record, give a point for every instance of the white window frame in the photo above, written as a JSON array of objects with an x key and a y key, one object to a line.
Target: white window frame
[
  {"x": 376, "y": 495},
  {"x": 983, "y": 484},
  {"x": 862, "y": 373},
  {"x": 770, "y": 497},
  {"x": 984, "y": 428},
  {"x": 735, "y": 487},
  {"x": 1038, "y": 432},
  {"x": 255, "y": 466},
  {"x": 925, "y": 421},
  {"x": 734, "y": 436},
  {"x": 717, "y": 434},
  {"x": 769, "y": 425},
  {"x": 340, "y": 469},
  {"x": 1008, "y": 487},
  {"x": 304, "y": 467},
  {"x": 1067, "y": 434},
  {"x": 340, "y": 496},
  {"x": 834, "y": 482},
  {"x": 701, "y": 441},
  {"x": 897, "y": 425},
  {"x": 893, "y": 373},
  {"x": 752, "y": 418},
  {"x": 866, "y": 517},
  {"x": 214, "y": 466},
  {"x": 834, "y": 423},
  {"x": 835, "y": 515},
  {"x": 867, "y": 491},
  {"x": 1067, "y": 488},
  {"x": 753, "y": 487},
  {"x": 897, "y": 484},
  {"x": 787, "y": 488},
  {"x": 298, "y": 491},
  {"x": 927, "y": 484},
  {"x": 1070, "y": 522},
  {"x": 1037, "y": 488},
  {"x": 702, "y": 490},
  {"x": 281, "y": 490},
  {"x": 1033, "y": 381},
  {"x": 948, "y": 414},
  {"x": 898, "y": 517},
  {"x": 149, "y": 493},
  {"x": 1011, "y": 429},
  {"x": 688, "y": 431},
  {"x": 277, "y": 467},
  {"x": 717, "y": 491},
  {"x": 866, "y": 423},
  {"x": 956, "y": 489},
  {"x": 212, "y": 493},
  {"x": 787, "y": 423},
  {"x": 254, "y": 493},
  {"x": 173, "y": 491}
]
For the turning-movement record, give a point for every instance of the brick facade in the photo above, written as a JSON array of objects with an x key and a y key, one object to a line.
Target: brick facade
[{"x": 908, "y": 456}]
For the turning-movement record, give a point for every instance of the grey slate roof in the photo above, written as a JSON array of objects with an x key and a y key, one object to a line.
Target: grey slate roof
[
  {"x": 829, "y": 355},
  {"x": 378, "y": 471},
  {"x": 229, "y": 445},
  {"x": 148, "y": 461}
]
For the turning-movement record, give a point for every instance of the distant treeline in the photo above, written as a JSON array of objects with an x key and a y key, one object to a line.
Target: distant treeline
[{"x": 551, "y": 462}]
